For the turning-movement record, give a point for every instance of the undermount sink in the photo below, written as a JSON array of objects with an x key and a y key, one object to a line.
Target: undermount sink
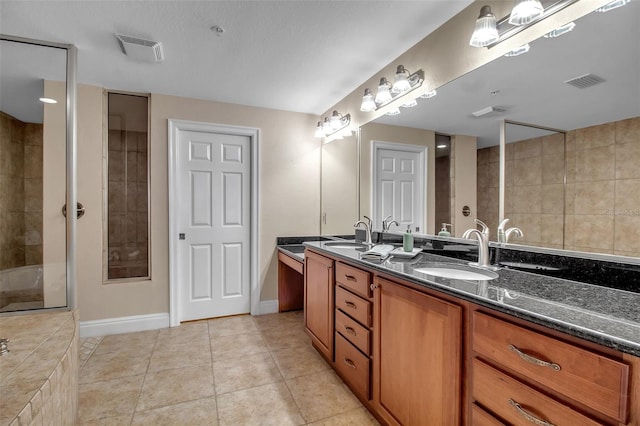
[
  {"x": 345, "y": 245},
  {"x": 455, "y": 272}
]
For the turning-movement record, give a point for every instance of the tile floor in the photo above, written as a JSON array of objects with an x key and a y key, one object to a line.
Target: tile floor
[{"x": 239, "y": 370}]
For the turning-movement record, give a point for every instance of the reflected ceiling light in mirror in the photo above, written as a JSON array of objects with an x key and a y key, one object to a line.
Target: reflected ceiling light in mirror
[
  {"x": 429, "y": 94},
  {"x": 519, "y": 51},
  {"x": 613, "y": 5},
  {"x": 442, "y": 146},
  {"x": 394, "y": 111},
  {"x": 560, "y": 30},
  {"x": 336, "y": 126},
  {"x": 401, "y": 81},
  {"x": 410, "y": 104},
  {"x": 368, "y": 103},
  {"x": 525, "y": 11},
  {"x": 486, "y": 30},
  {"x": 48, "y": 101}
]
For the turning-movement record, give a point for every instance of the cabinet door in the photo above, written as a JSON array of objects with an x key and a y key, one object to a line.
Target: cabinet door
[
  {"x": 318, "y": 302},
  {"x": 417, "y": 357}
]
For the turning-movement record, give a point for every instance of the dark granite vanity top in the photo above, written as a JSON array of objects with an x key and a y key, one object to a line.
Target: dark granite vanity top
[{"x": 606, "y": 316}]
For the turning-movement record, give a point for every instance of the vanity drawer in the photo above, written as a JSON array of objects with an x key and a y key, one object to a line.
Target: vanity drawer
[
  {"x": 517, "y": 403},
  {"x": 352, "y": 366},
  {"x": 584, "y": 376},
  {"x": 354, "y": 279},
  {"x": 479, "y": 417},
  {"x": 353, "y": 332},
  {"x": 354, "y": 306}
]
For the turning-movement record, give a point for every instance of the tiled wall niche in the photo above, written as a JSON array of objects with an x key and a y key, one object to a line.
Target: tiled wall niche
[
  {"x": 20, "y": 192},
  {"x": 601, "y": 197}
]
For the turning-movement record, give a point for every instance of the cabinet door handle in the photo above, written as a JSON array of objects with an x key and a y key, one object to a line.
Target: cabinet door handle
[
  {"x": 534, "y": 360},
  {"x": 350, "y": 278},
  {"x": 373, "y": 287},
  {"x": 527, "y": 416},
  {"x": 350, "y": 304},
  {"x": 350, "y": 330},
  {"x": 349, "y": 363}
]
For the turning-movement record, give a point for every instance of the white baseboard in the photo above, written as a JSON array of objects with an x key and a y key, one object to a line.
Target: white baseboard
[
  {"x": 120, "y": 325},
  {"x": 269, "y": 307}
]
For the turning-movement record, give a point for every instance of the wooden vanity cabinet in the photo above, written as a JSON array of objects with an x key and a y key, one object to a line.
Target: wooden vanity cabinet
[
  {"x": 319, "y": 301},
  {"x": 416, "y": 356},
  {"x": 290, "y": 283}
]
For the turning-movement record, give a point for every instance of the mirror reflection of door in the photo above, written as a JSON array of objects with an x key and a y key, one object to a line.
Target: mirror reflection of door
[
  {"x": 443, "y": 181},
  {"x": 398, "y": 191},
  {"x": 32, "y": 176}
]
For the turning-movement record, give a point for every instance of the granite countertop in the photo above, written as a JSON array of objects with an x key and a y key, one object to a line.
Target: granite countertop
[
  {"x": 606, "y": 316},
  {"x": 293, "y": 250}
]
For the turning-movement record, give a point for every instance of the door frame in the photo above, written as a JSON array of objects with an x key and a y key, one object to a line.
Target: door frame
[
  {"x": 422, "y": 183},
  {"x": 174, "y": 128}
]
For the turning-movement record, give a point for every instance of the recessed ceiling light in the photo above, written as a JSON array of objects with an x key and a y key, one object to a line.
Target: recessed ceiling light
[
  {"x": 48, "y": 101},
  {"x": 442, "y": 145}
]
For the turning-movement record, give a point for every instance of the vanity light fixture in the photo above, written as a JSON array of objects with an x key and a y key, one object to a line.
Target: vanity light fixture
[
  {"x": 519, "y": 51},
  {"x": 336, "y": 126},
  {"x": 613, "y": 5},
  {"x": 404, "y": 83},
  {"x": 486, "y": 29},
  {"x": 525, "y": 11},
  {"x": 560, "y": 30},
  {"x": 48, "y": 101}
]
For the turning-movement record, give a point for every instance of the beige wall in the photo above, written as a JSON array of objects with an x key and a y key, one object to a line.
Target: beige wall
[
  {"x": 289, "y": 199},
  {"x": 599, "y": 208},
  {"x": 406, "y": 135}
]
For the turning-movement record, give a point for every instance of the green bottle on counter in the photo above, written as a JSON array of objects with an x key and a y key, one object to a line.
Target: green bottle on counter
[{"x": 407, "y": 240}]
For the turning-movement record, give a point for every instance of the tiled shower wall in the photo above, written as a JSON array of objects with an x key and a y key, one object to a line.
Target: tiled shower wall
[
  {"x": 443, "y": 190},
  {"x": 128, "y": 209},
  {"x": 20, "y": 192},
  {"x": 601, "y": 197}
]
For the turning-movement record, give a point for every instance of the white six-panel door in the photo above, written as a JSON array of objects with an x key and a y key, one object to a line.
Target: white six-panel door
[
  {"x": 399, "y": 185},
  {"x": 213, "y": 181}
]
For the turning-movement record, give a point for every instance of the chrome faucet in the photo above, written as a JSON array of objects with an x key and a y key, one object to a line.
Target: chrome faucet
[
  {"x": 367, "y": 227},
  {"x": 483, "y": 243},
  {"x": 503, "y": 235},
  {"x": 386, "y": 223}
]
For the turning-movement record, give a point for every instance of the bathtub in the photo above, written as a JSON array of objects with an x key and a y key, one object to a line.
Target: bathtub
[{"x": 21, "y": 288}]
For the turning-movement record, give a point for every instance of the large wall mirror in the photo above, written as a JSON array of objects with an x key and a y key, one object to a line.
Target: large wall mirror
[
  {"x": 34, "y": 271},
  {"x": 577, "y": 188}
]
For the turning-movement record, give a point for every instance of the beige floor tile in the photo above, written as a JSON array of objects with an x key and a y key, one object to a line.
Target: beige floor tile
[
  {"x": 169, "y": 387},
  {"x": 107, "y": 421},
  {"x": 142, "y": 341},
  {"x": 293, "y": 319},
  {"x": 110, "y": 398},
  {"x": 180, "y": 354},
  {"x": 112, "y": 366},
  {"x": 321, "y": 395},
  {"x": 201, "y": 412},
  {"x": 229, "y": 326},
  {"x": 245, "y": 372},
  {"x": 285, "y": 338},
  {"x": 357, "y": 417},
  {"x": 187, "y": 332},
  {"x": 299, "y": 361},
  {"x": 226, "y": 347},
  {"x": 266, "y": 405}
]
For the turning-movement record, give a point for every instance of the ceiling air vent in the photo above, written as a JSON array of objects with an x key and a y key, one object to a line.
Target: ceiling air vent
[
  {"x": 585, "y": 81},
  {"x": 488, "y": 110},
  {"x": 140, "y": 49}
]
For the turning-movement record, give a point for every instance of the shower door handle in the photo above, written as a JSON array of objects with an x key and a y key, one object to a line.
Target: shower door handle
[{"x": 79, "y": 210}]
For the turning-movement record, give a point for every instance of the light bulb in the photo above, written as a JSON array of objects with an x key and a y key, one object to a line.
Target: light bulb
[
  {"x": 336, "y": 121},
  {"x": 525, "y": 11},
  {"x": 486, "y": 29},
  {"x": 383, "y": 95},
  {"x": 401, "y": 81},
  {"x": 319, "y": 132},
  {"x": 326, "y": 126},
  {"x": 368, "y": 104}
]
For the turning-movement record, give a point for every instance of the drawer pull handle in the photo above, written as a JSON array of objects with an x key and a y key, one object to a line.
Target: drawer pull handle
[
  {"x": 528, "y": 416},
  {"x": 350, "y": 304},
  {"x": 350, "y": 278},
  {"x": 350, "y": 330},
  {"x": 534, "y": 360},
  {"x": 349, "y": 363}
]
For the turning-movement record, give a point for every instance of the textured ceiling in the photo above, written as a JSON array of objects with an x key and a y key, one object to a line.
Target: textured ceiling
[{"x": 299, "y": 56}]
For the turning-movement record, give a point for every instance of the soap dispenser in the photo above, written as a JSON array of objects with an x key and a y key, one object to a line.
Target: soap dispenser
[
  {"x": 444, "y": 232},
  {"x": 407, "y": 240}
]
